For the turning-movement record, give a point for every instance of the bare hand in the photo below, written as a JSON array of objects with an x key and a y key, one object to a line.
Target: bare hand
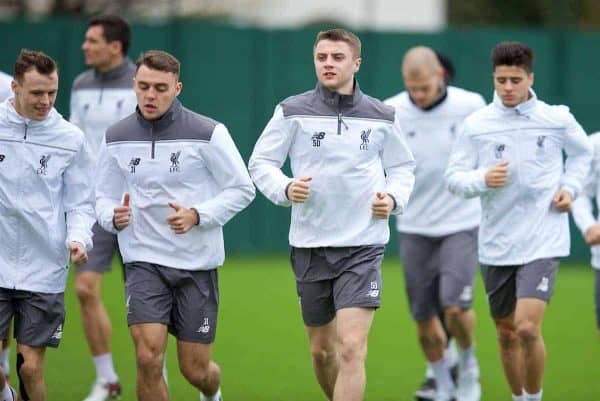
[
  {"x": 497, "y": 175},
  {"x": 78, "y": 253},
  {"x": 592, "y": 235},
  {"x": 299, "y": 190},
  {"x": 562, "y": 201},
  {"x": 382, "y": 206},
  {"x": 183, "y": 220},
  {"x": 122, "y": 214}
]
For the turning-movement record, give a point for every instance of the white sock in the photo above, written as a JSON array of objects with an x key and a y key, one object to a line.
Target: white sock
[
  {"x": 7, "y": 394},
  {"x": 215, "y": 397},
  {"x": 518, "y": 397},
  {"x": 429, "y": 372},
  {"x": 105, "y": 368},
  {"x": 467, "y": 357},
  {"x": 4, "y": 363},
  {"x": 443, "y": 379},
  {"x": 450, "y": 353},
  {"x": 532, "y": 397}
]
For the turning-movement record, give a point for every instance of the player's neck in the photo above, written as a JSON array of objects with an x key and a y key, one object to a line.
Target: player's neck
[{"x": 113, "y": 64}]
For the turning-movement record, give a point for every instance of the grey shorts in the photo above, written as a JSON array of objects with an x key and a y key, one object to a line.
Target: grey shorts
[
  {"x": 39, "y": 317},
  {"x": 101, "y": 256},
  {"x": 505, "y": 284},
  {"x": 438, "y": 271},
  {"x": 598, "y": 298},
  {"x": 185, "y": 301},
  {"x": 329, "y": 279}
]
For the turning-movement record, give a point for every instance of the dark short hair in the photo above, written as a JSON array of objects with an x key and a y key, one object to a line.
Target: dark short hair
[
  {"x": 340, "y": 35},
  {"x": 513, "y": 54},
  {"x": 114, "y": 28},
  {"x": 447, "y": 65},
  {"x": 159, "y": 60},
  {"x": 29, "y": 59}
]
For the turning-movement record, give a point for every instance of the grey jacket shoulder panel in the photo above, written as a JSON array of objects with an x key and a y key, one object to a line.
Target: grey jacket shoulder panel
[
  {"x": 121, "y": 78},
  {"x": 371, "y": 108},
  {"x": 178, "y": 123},
  {"x": 306, "y": 104},
  {"x": 127, "y": 130},
  {"x": 311, "y": 104}
]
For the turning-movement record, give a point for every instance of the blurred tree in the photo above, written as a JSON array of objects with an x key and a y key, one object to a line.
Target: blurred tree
[{"x": 540, "y": 13}]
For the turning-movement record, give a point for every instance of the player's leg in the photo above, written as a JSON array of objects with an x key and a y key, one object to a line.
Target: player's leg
[
  {"x": 150, "y": 340},
  {"x": 535, "y": 285},
  {"x": 5, "y": 355},
  {"x": 353, "y": 325},
  {"x": 318, "y": 314},
  {"x": 149, "y": 305},
  {"x": 194, "y": 324},
  {"x": 597, "y": 299},
  {"x": 500, "y": 286},
  {"x": 356, "y": 296},
  {"x": 94, "y": 317},
  {"x": 30, "y": 369},
  {"x": 7, "y": 393},
  {"x": 421, "y": 267},
  {"x": 458, "y": 260}
]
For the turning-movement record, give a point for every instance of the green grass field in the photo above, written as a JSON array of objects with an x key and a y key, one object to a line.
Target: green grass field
[{"x": 264, "y": 355}]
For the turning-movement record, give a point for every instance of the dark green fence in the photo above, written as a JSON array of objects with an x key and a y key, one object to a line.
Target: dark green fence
[{"x": 237, "y": 75}]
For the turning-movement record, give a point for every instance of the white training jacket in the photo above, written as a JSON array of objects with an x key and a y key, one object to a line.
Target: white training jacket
[
  {"x": 183, "y": 157},
  {"x": 352, "y": 147},
  {"x": 5, "y": 86},
  {"x": 519, "y": 223},
  {"x": 46, "y": 199},
  {"x": 430, "y": 134},
  {"x": 583, "y": 205}
]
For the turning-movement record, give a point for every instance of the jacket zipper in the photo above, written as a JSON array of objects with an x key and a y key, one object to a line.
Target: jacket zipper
[
  {"x": 152, "y": 136},
  {"x": 19, "y": 192},
  {"x": 340, "y": 122}
]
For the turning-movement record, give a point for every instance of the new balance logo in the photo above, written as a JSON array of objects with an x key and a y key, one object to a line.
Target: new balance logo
[
  {"x": 317, "y": 138},
  {"x": 466, "y": 294},
  {"x": 175, "y": 162},
  {"x": 2, "y": 157},
  {"x": 133, "y": 163},
  {"x": 540, "y": 141},
  {"x": 364, "y": 137},
  {"x": 374, "y": 292},
  {"x": 499, "y": 150},
  {"x": 127, "y": 304},
  {"x": 58, "y": 332},
  {"x": 43, "y": 164},
  {"x": 205, "y": 328},
  {"x": 544, "y": 285}
]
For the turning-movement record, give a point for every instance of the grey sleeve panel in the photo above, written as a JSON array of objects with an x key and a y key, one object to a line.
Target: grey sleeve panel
[
  {"x": 371, "y": 108},
  {"x": 85, "y": 80},
  {"x": 186, "y": 125},
  {"x": 310, "y": 104}
]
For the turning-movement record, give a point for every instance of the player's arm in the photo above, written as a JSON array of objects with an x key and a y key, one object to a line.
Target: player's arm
[
  {"x": 579, "y": 152},
  {"x": 582, "y": 209},
  {"x": 74, "y": 116},
  {"x": 225, "y": 163},
  {"x": 463, "y": 175},
  {"x": 270, "y": 152},
  {"x": 78, "y": 203},
  {"x": 110, "y": 190},
  {"x": 399, "y": 164}
]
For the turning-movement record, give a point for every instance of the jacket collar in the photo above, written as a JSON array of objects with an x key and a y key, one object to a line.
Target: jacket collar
[
  {"x": 337, "y": 100},
  {"x": 15, "y": 118},
  {"x": 164, "y": 121},
  {"x": 433, "y": 105},
  {"x": 524, "y": 109},
  {"x": 115, "y": 73}
]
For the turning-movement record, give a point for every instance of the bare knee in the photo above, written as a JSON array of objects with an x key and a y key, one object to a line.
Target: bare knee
[
  {"x": 528, "y": 332},
  {"x": 194, "y": 371},
  {"x": 31, "y": 370},
  {"x": 87, "y": 290},
  {"x": 452, "y": 315},
  {"x": 149, "y": 361},
  {"x": 507, "y": 335},
  {"x": 323, "y": 354},
  {"x": 353, "y": 349}
]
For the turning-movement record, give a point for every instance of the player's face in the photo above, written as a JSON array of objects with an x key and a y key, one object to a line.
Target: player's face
[
  {"x": 424, "y": 89},
  {"x": 96, "y": 50},
  {"x": 35, "y": 94},
  {"x": 512, "y": 83},
  {"x": 335, "y": 65},
  {"x": 155, "y": 90}
]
